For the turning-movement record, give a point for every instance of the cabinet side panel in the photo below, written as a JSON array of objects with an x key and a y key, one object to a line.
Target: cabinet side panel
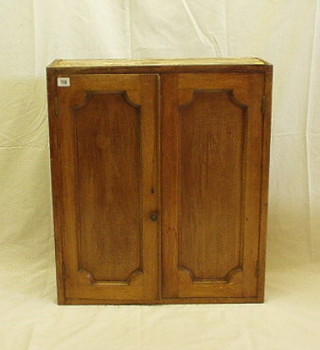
[
  {"x": 265, "y": 179},
  {"x": 56, "y": 183}
]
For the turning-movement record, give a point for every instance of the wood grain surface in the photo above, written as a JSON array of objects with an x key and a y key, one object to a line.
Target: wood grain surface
[
  {"x": 160, "y": 179},
  {"x": 105, "y": 186},
  {"x": 211, "y": 191}
]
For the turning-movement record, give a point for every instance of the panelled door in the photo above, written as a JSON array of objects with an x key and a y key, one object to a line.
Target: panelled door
[
  {"x": 211, "y": 154},
  {"x": 105, "y": 185}
]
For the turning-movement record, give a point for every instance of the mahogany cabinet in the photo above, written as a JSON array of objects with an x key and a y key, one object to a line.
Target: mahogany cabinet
[{"x": 160, "y": 179}]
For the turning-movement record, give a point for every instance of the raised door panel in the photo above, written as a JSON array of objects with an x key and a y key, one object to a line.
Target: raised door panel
[
  {"x": 108, "y": 163},
  {"x": 211, "y": 182},
  {"x": 104, "y": 155},
  {"x": 213, "y": 134}
]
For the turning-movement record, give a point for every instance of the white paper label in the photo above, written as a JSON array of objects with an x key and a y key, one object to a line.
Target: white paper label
[{"x": 63, "y": 82}]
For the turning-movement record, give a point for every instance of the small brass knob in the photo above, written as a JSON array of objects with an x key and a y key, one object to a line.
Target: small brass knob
[{"x": 154, "y": 217}]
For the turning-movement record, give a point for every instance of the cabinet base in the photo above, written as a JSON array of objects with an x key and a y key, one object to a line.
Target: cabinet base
[{"x": 257, "y": 299}]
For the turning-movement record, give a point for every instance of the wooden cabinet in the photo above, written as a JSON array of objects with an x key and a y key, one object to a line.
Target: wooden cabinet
[{"x": 159, "y": 179}]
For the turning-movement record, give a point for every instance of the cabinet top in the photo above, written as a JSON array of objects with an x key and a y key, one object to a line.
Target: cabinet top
[
  {"x": 156, "y": 66},
  {"x": 59, "y": 63}
]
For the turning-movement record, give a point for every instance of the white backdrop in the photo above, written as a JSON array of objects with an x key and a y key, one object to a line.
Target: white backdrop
[{"x": 284, "y": 32}]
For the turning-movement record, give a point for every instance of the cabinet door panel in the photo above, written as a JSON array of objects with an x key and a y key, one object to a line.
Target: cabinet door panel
[
  {"x": 108, "y": 165},
  {"x": 104, "y": 155},
  {"x": 211, "y": 182}
]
